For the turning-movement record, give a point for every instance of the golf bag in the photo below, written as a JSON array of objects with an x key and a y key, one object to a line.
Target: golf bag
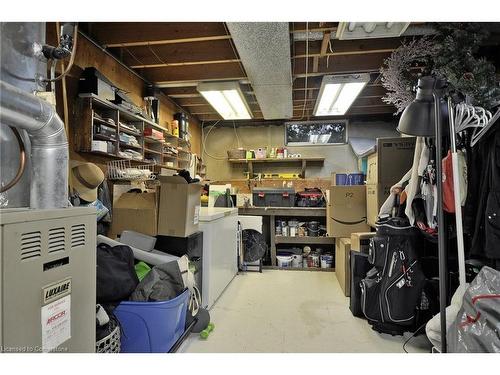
[{"x": 391, "y": 291}]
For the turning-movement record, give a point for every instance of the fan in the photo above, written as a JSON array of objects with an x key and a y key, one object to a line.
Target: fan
[{"x": 254, "y": 245}]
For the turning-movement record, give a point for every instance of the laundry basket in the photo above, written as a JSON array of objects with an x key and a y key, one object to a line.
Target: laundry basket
[
  {"x": 110, "y": 343},
  {"x": 152, "y": 327}
]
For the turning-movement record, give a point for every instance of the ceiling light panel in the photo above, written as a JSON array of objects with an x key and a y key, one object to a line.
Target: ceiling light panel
[
  {"x": 367, "y": 30},
  {"x": 227, "y": 99},
  {"x": 337, "y": 93}
]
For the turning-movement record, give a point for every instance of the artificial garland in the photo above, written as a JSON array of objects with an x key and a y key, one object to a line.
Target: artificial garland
[
  {"x": 402, "y": 69},
  {"x": 450, "y": 54}
]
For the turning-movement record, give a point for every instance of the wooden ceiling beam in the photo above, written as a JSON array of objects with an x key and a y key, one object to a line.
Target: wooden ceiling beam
[
  {"x": 194, "y": 72},
  {"x": 165, "y": 65},
  {"x": 213, "y": 50},
  {"x": 347, "y": 47},
  {"x": 119, "y": 34},
  {"x": 343, "y": 64}
]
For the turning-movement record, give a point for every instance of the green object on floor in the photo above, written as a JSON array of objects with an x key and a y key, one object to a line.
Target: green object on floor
[
  {"x": 142, "y": 269},
  {"x": 204, "y": 334}
]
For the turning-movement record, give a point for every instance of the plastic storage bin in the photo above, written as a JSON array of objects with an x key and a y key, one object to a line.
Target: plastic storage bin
[{"x": 152, "y": 327}]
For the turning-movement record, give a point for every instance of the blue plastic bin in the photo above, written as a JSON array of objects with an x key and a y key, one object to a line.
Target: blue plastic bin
[{"x": 152, "y": 327}]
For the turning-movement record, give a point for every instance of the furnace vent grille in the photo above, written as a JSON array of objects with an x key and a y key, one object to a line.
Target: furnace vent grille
[
  {"x": 57, "y": 239},
  {"x": 31, "y": 245},
  {"x": 77, "y": 235}
]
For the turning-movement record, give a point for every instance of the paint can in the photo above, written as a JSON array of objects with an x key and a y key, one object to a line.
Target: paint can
[
  {"x": 313, "y": 260},
  {"x": 293, "y": 231},
  {"x": 326, "y": 261},
  {"x": 297, "y": 261},
  {"x": 285, "y": 231}
]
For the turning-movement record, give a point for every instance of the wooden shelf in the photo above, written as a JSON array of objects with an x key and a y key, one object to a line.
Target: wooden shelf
[
  {"x": 149, "y": 151},
  {"x": 99, "y": 137},
  {"x": 153, "y": 140},
  {"x": 103, "y": 122},
  {"x": 125, "y": 145},
  {"x": 276, "y": 160},
  {"x": 305, "y": 240},
  {"x": 299, "y": 269},
  {"x": 302, "y": 161},
  {"x": 84, "y": 118},
  {"x": 131, "y": 132},
  {"x": 284, "y": 211}
]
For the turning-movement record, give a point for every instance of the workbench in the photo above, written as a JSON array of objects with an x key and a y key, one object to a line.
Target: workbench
[{"x": 270, "y": 213}]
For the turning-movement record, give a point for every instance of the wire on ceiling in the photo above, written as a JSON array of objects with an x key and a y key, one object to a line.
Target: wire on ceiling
[{"x": 307, "y": 68}]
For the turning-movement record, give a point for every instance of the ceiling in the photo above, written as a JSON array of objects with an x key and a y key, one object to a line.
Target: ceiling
[{"x": 175, "y": 56}]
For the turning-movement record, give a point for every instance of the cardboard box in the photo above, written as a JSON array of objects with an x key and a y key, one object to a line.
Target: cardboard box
[
  {"x": 179, "y": 209},
  {"x": 137, "y": 212},
  {"x": 342, "y": 266},
  {"x": 376, "y": 195},
  {"x": 347, "y": 211},
  {"x": 361, "y": 241},
  {"x": 394, "y": 157}
]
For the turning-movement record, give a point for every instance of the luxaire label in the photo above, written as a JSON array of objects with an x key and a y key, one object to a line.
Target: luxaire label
[{"x": 57, "y": 290}]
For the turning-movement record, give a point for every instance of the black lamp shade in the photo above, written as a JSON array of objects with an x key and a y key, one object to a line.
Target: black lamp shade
[{"x": 418, "y": 118}]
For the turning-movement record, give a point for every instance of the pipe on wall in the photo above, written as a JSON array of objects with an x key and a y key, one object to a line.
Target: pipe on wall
[{"x": 49, "y": 145}]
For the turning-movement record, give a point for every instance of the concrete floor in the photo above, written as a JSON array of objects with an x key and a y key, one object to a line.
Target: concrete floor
[{"x": 291, "y": 311}]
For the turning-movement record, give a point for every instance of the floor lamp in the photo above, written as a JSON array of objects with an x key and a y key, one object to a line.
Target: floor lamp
[{"x": 423, "y": 118}]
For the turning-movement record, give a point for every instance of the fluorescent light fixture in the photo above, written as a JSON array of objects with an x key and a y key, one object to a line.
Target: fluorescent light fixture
[
  {"x": 337, "y": 93},
  {"x": 226, "y": 98},
  {"x": 367, "y": 30}
]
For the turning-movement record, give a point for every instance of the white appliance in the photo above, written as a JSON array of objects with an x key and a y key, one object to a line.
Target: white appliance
[{"x": 220, "y": 263}]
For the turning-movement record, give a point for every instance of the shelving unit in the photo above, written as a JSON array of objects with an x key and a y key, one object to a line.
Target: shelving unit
[
  {"x": 303, "y": 162},
  {"x": 272, "y": 213},
  {"x": 152, "y": 150},
  {"x": 304, "y": 240}
]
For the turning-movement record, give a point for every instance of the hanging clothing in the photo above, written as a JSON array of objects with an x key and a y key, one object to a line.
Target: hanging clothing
[
  {"x": 486, "y": 239},
  {"x": 448, "y": 185}
]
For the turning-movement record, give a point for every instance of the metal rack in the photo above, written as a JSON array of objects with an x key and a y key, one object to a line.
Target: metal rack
[{"x": 124, "y": 170}]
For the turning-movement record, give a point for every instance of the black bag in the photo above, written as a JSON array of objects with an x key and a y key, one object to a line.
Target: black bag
[
  {"x": 310, "y": 197},
  {"x": 359, "y": 268},
  {"x": 116, "y": 277},
  {"x": 392, "y": 289}
]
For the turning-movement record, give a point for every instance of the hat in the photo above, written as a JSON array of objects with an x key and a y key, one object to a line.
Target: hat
[{"x": 85, "y": 179}]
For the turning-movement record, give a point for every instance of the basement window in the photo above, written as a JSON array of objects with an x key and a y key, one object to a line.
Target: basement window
[{"x": 316, "y": 133}]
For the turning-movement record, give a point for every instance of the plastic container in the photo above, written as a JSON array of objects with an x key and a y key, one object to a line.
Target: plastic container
[
  {"x": 326, "y": 261},
  {"x": 152, "y": 327},
  {"x": 297, "y": 261},
  {"x": 284, "y": 261}
]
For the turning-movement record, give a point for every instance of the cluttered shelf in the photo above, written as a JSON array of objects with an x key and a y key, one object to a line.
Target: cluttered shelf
[
  {"x": 304, "y": 240},
  {"x": 277, "y": 160},
  {"x": 283, "y": 211},
  {"x": 299, "y": 269}
]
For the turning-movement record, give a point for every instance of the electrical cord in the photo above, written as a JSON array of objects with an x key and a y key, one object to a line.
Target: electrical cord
[
  {"x": 307, "y": 68},
  {"x": 237, "y": 136},
  {"x": 204, "y": 140},
  {"x": 71, "y": 60},
  {"x": 412, "y": 336}
]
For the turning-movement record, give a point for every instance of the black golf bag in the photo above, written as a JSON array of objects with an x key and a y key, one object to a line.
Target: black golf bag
[{"x": 391, "y": 291}]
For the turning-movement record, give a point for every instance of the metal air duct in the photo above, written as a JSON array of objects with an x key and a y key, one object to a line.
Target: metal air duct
[
  {"x": 264, "y": 50},
  {"x": 49, "y": 146}
]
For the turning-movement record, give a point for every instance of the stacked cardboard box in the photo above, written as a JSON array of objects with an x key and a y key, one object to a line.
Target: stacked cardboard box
[{"x": 394, "y": 157}]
